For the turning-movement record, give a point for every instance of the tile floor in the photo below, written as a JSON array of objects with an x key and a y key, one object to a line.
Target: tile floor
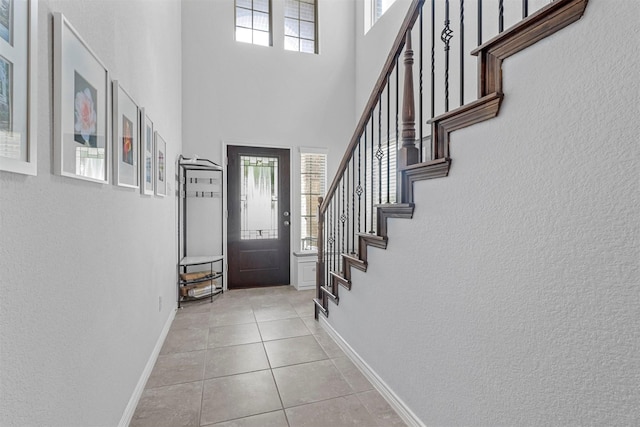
[{"x": 257, "y": 357}]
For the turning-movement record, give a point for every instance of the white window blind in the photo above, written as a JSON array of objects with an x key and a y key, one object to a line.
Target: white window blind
[{"x": 313, "y": 178}]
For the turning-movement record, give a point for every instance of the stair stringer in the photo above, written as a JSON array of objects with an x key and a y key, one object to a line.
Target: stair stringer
[{"x": 366, "y": 240}]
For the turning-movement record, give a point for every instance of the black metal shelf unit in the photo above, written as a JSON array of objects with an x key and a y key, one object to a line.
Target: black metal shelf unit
[{"x": 200, "y": 284}]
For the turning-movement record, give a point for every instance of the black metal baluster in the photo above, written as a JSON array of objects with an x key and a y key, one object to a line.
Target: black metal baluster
[
  {"x": 372, "y": 178},
  {"x": 343, "y": 218},
  {"x": 420, "y": 88},
  {"x": 359, "y": 188},
  {"x": 501, "y": 16},
  {"x": 330, "y": 239},
  {"x": 397, "y": 121},
  {"x": 388, "y": 135},
  {"x": 333, "y": 234},
  {"x": 433, "y": 58},
  {"x": 346, "y": 178},
  {"x": 336, "y": 266},
  {"x": 338, "y": 236},
  {"x": 446, "y": 36},
  {"x": 353, "y": 204},
  {"x": 365, "y": 178},
  {"x": 379, "y": 152},
  {"x": 479, "y": 22},
  {"x": 461, "y": 52},
  {"x": 525, "y": 8},
  {"x": 325, "y": 238}
]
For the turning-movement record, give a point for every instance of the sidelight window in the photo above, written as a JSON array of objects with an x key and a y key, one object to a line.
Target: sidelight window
[{"x": 313, "y": 173}]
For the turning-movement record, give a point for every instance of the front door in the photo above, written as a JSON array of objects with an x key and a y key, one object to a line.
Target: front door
[{"x": 258, "y": 227}]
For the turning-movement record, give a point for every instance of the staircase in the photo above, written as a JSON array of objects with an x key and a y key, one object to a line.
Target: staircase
[{"x": 384, "y": 158}]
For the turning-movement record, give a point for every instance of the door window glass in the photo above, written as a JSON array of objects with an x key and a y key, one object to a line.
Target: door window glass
[{"x": 259, "y": 197}]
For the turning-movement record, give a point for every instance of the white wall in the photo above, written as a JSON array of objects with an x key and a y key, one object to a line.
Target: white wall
[
  {"x": 512, "y": 296},
  {"x": 82, "y": 265},
  {"x": 373, "y": 48},
  {"x": 253, "y": 95}
]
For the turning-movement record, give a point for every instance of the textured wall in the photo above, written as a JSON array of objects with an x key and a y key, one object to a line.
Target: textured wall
[
  {"x": 512, "y": 296},
  {"x": 81, "y": 264}
]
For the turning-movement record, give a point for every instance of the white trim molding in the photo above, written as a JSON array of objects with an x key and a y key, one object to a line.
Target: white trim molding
[
  {"x": 378, "y": 383},
  {"x": 137, "y": 392}
]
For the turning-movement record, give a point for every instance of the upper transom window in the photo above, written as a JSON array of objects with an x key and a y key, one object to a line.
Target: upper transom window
[
  {"x": 373, "y": 10},
  {"x": 300, "y": 25},
  {"x": 253, "y": 21}
]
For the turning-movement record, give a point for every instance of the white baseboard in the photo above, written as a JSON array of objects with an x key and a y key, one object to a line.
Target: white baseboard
[
  {"x": 394, "y": 401},
  {"x": 137, "y": 392}
]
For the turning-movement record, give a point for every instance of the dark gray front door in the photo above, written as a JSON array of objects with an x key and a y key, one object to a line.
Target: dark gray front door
[{"x": 258, "y": 227}]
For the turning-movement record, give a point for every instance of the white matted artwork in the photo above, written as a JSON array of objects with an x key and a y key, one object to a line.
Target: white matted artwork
[
  {"x": 146, "y": 154},
  {"x": 18, "y": 95},
  {"x": 161, "y": 165},
  {"x": 126, "y": 138},
  {"x": 81, "y": 107}
]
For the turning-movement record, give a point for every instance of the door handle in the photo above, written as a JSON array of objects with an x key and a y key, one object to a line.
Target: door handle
[
  {"x": 286, "y": 223},
  {"x": 286, "y": 214}
]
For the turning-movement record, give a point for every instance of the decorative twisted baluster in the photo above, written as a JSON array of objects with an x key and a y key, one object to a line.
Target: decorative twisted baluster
[
  {"x": 359, "y": 189},
  {"x": 373, "y": 221},
  {"x": 379, "y": 152},
  {"x": 446, "y": 35},
  {"x": 343, "y": 219},
  {"x": 353, "y": 206}
]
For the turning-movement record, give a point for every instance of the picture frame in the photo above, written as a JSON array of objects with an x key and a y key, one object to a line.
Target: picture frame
[
  {"x": 18, "y": 86},
  {"x": 160, "y": 165},
  {"x": 82, "y": 110},
  {"x": 147, "y": 155},
  {"x": 126, "y": 138}
]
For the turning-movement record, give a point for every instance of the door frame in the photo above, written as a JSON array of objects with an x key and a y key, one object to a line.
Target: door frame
[{"x": 225, "y": 209}]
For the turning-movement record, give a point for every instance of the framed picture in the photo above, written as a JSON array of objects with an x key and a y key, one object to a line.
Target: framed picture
[
  {"x": 126, "y": 138},
  {"x": 146, "y": 155},
  {"x": 161, "y": 166},
  {"x": 18, "y": 95},
  {"x": 81, "y": 107}
]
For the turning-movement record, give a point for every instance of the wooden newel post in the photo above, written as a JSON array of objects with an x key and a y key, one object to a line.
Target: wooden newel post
[
  {"x": 320, "y": 262},
  {"x": 408, "y": 154}
]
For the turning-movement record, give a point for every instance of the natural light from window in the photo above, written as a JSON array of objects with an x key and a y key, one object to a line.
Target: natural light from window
[
  {"x": 300, "y": 25},
  {"x": 373, "y": 10},
  {"x": 253, "y": 22},
  {"x": 313, "y": 179}
]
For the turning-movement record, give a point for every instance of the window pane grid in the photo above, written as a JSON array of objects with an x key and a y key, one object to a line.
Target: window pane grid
[
  {"x": 300, "y": 25},
  {"x": 253, "y": 22}
]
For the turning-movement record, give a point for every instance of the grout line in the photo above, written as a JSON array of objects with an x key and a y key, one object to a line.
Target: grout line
[
  {"x": 241, "y": 418},
  {"x": 201, "y": 403},
  {"x": 324, "y": 400}
]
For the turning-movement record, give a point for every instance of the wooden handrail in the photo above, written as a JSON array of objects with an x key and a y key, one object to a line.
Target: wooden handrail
[{"x": 387, "y": 69}]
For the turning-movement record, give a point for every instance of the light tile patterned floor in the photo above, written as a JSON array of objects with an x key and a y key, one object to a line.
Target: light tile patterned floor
[{"x": 257, "y": 357}]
